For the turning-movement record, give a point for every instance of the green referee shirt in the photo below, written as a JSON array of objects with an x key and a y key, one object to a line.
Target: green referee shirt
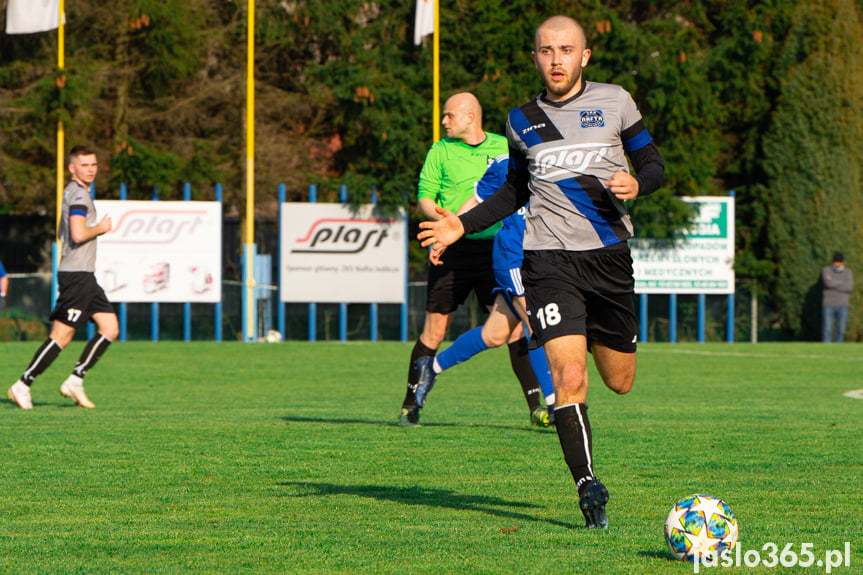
[{"x": 452, "y": 169}]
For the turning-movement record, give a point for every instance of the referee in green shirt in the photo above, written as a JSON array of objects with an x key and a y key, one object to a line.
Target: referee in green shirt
[{"x": 451, "y": 170}]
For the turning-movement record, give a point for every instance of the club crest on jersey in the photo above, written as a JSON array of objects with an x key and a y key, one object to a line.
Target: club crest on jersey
[{"x": 592, "y": 119}]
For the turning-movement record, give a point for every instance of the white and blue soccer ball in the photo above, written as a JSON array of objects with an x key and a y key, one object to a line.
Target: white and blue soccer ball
[
  {"x": 273, "y": 336},
  {"x": 700, "y": 526}
]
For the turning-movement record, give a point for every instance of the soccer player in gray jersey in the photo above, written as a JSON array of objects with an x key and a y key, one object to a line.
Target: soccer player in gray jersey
[
  {"x": 568, "y": 153},
  {"x": 81, "y": 298}
]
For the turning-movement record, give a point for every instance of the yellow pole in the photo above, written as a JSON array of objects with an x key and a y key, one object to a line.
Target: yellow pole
[
  {"x": 250, "y": 171},
  {"x": 56, "y": 249},
  {"x": 436, "y": 72},
  {"x": 61, "y": 65}
]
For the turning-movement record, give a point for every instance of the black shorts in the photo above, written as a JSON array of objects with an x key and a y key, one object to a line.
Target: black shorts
[
  {"x": 466, "y": 267},
  {"x": 80, "y": 297},
  {"x": 587, "y": 293}
]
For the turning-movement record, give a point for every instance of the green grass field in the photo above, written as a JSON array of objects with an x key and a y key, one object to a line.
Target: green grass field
[{"x": 239, "y": 458}]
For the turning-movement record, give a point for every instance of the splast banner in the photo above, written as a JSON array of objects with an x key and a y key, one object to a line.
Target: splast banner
[
  {"x": 161, "y": 251},
  {"x": 702, "y": 262},
  {"x": 332, "y": 253}
]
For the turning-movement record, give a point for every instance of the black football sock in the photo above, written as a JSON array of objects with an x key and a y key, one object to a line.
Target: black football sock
[
  {"x": 420, "y": 350},
  {"x": 44, "y": 356},
  {"x": 91, "y": 354},
  {"x": 573, "y": 431},
  {"x": 520, "y": 361}
]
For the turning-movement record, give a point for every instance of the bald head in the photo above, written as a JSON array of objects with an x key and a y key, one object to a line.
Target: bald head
[
  {"x": 466, "y": 103},
  {"x": 560, "y": 23},
  {"x": 462, "y": 118}
]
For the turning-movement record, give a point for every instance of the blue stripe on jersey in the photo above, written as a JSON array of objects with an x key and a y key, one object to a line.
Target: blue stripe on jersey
[
  {"x": 78, "y": 212},
  {"x": 522, "y": 127},
  {"x": 582, "y": 202},
  {"x": 507, "y": 252},
  {"x": 638, "y": 141},
  {"x": 494, "y": 177}
]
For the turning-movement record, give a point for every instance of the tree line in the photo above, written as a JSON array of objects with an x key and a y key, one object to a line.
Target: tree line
[{"x": 760, "y": 97}]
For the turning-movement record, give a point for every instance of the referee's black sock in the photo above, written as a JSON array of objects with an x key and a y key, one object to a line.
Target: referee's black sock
[
  {"x": 44, "y": 356},
  {"x": 523, "y": 369},
  {"x": 91, "y": 354},
  {"x": 573, "y": 431},
  {"x": 420, "y": 350}
]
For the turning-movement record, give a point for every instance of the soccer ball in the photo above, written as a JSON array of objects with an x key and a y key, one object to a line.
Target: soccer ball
[
  {"x": 273, "y": 336},
  {"x": 702, "y": 526}
]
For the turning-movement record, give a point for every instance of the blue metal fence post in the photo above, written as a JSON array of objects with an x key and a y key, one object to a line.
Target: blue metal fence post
[
  {"x": 373, "y": 307},
  {"x": 643, "y": 313},
  {"x": 218, "y": 310},
  {"x": 343, "y": 307},
  {"x": 313, "y": 197},
  {"x": 154, "y": 307},
  {"x": 702, "y": 312},
  {"x": 280, "y": 318},
  {"x": 187, "y": 306},
  {"x": 672, "y": 318},
  {"x": 729, "y": 331},
  {"x": 123, "y": 307}
]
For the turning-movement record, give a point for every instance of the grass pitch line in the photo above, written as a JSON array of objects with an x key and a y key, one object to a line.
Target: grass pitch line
[
  {"x": 854, "y": 394},
  {"x": 646, "y": 349}
]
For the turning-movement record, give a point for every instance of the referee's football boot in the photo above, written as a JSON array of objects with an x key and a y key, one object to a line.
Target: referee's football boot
[
  {"x": 592, "y": 502},
  {"x": 409, "y": 417},
  {"x": 74, "y": 387},
  {"x": 20, "y": 394},
  {"x": 425, "y": 378}
]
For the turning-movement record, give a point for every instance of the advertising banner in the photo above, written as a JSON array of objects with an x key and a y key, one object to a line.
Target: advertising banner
[
  {"x": 702, "y": 262},
  {"x": 161, "y": 251},
  {"x": 331, "y": 253}
]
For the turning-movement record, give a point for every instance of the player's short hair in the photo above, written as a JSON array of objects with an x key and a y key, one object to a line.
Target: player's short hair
[
  {"x": 78, "y": 151},
  {"x": 557, "y": 20}
]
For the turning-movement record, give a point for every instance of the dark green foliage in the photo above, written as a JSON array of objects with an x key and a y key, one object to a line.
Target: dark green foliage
[
  {"x": 759, "y": 96},
  {"x": 813, "y": 161}
]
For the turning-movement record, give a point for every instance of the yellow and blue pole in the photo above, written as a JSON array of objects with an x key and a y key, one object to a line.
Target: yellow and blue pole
[
  {"x": 250, "y": 248},
  {"x": 61, "y": 152}
]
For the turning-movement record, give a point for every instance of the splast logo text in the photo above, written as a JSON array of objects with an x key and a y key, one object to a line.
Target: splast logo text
[
  {"x": 552, "y": 162},
  {"x": 342, "y": 236},
  {"x": 155, "y": 226}
]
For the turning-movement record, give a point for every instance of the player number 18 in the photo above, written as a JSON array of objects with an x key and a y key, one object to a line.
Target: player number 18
[{"x": 548, "y": 315}]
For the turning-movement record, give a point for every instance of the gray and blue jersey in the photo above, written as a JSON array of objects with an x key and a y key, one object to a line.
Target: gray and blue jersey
[
  {"x": 77, "y": 257},
  {"x": 570, "y": 149}
]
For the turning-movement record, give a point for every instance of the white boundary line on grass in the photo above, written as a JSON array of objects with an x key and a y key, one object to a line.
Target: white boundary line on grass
[{"x": 855, "y": 394}]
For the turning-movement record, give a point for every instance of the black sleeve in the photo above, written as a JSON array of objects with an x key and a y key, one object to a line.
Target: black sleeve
[
  {"x": 649, "y": 169},
  {"x": 513, "y": 194}
]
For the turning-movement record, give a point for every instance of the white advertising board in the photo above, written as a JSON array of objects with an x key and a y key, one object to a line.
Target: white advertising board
[
  {"x": 702, "y": 262},
  {"x": 331, "y": 253},
  {"x": 161, "y": 251}
]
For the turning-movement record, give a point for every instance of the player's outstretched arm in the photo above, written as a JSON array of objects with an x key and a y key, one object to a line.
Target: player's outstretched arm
[{"x": 443, "y": 232}]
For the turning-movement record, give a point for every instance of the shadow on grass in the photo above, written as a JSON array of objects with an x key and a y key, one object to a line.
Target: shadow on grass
[
  {"x": 416, "y": 495},
  {"x": 395, "y": 423}
]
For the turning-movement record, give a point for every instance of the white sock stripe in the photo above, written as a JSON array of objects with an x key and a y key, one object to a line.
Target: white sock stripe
[
  {"x": 38, "y": 359},
  {"x": 94, "y": 349},
  {"x": 585, "y": 439},
  {"x": 575, "y": 405}
]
